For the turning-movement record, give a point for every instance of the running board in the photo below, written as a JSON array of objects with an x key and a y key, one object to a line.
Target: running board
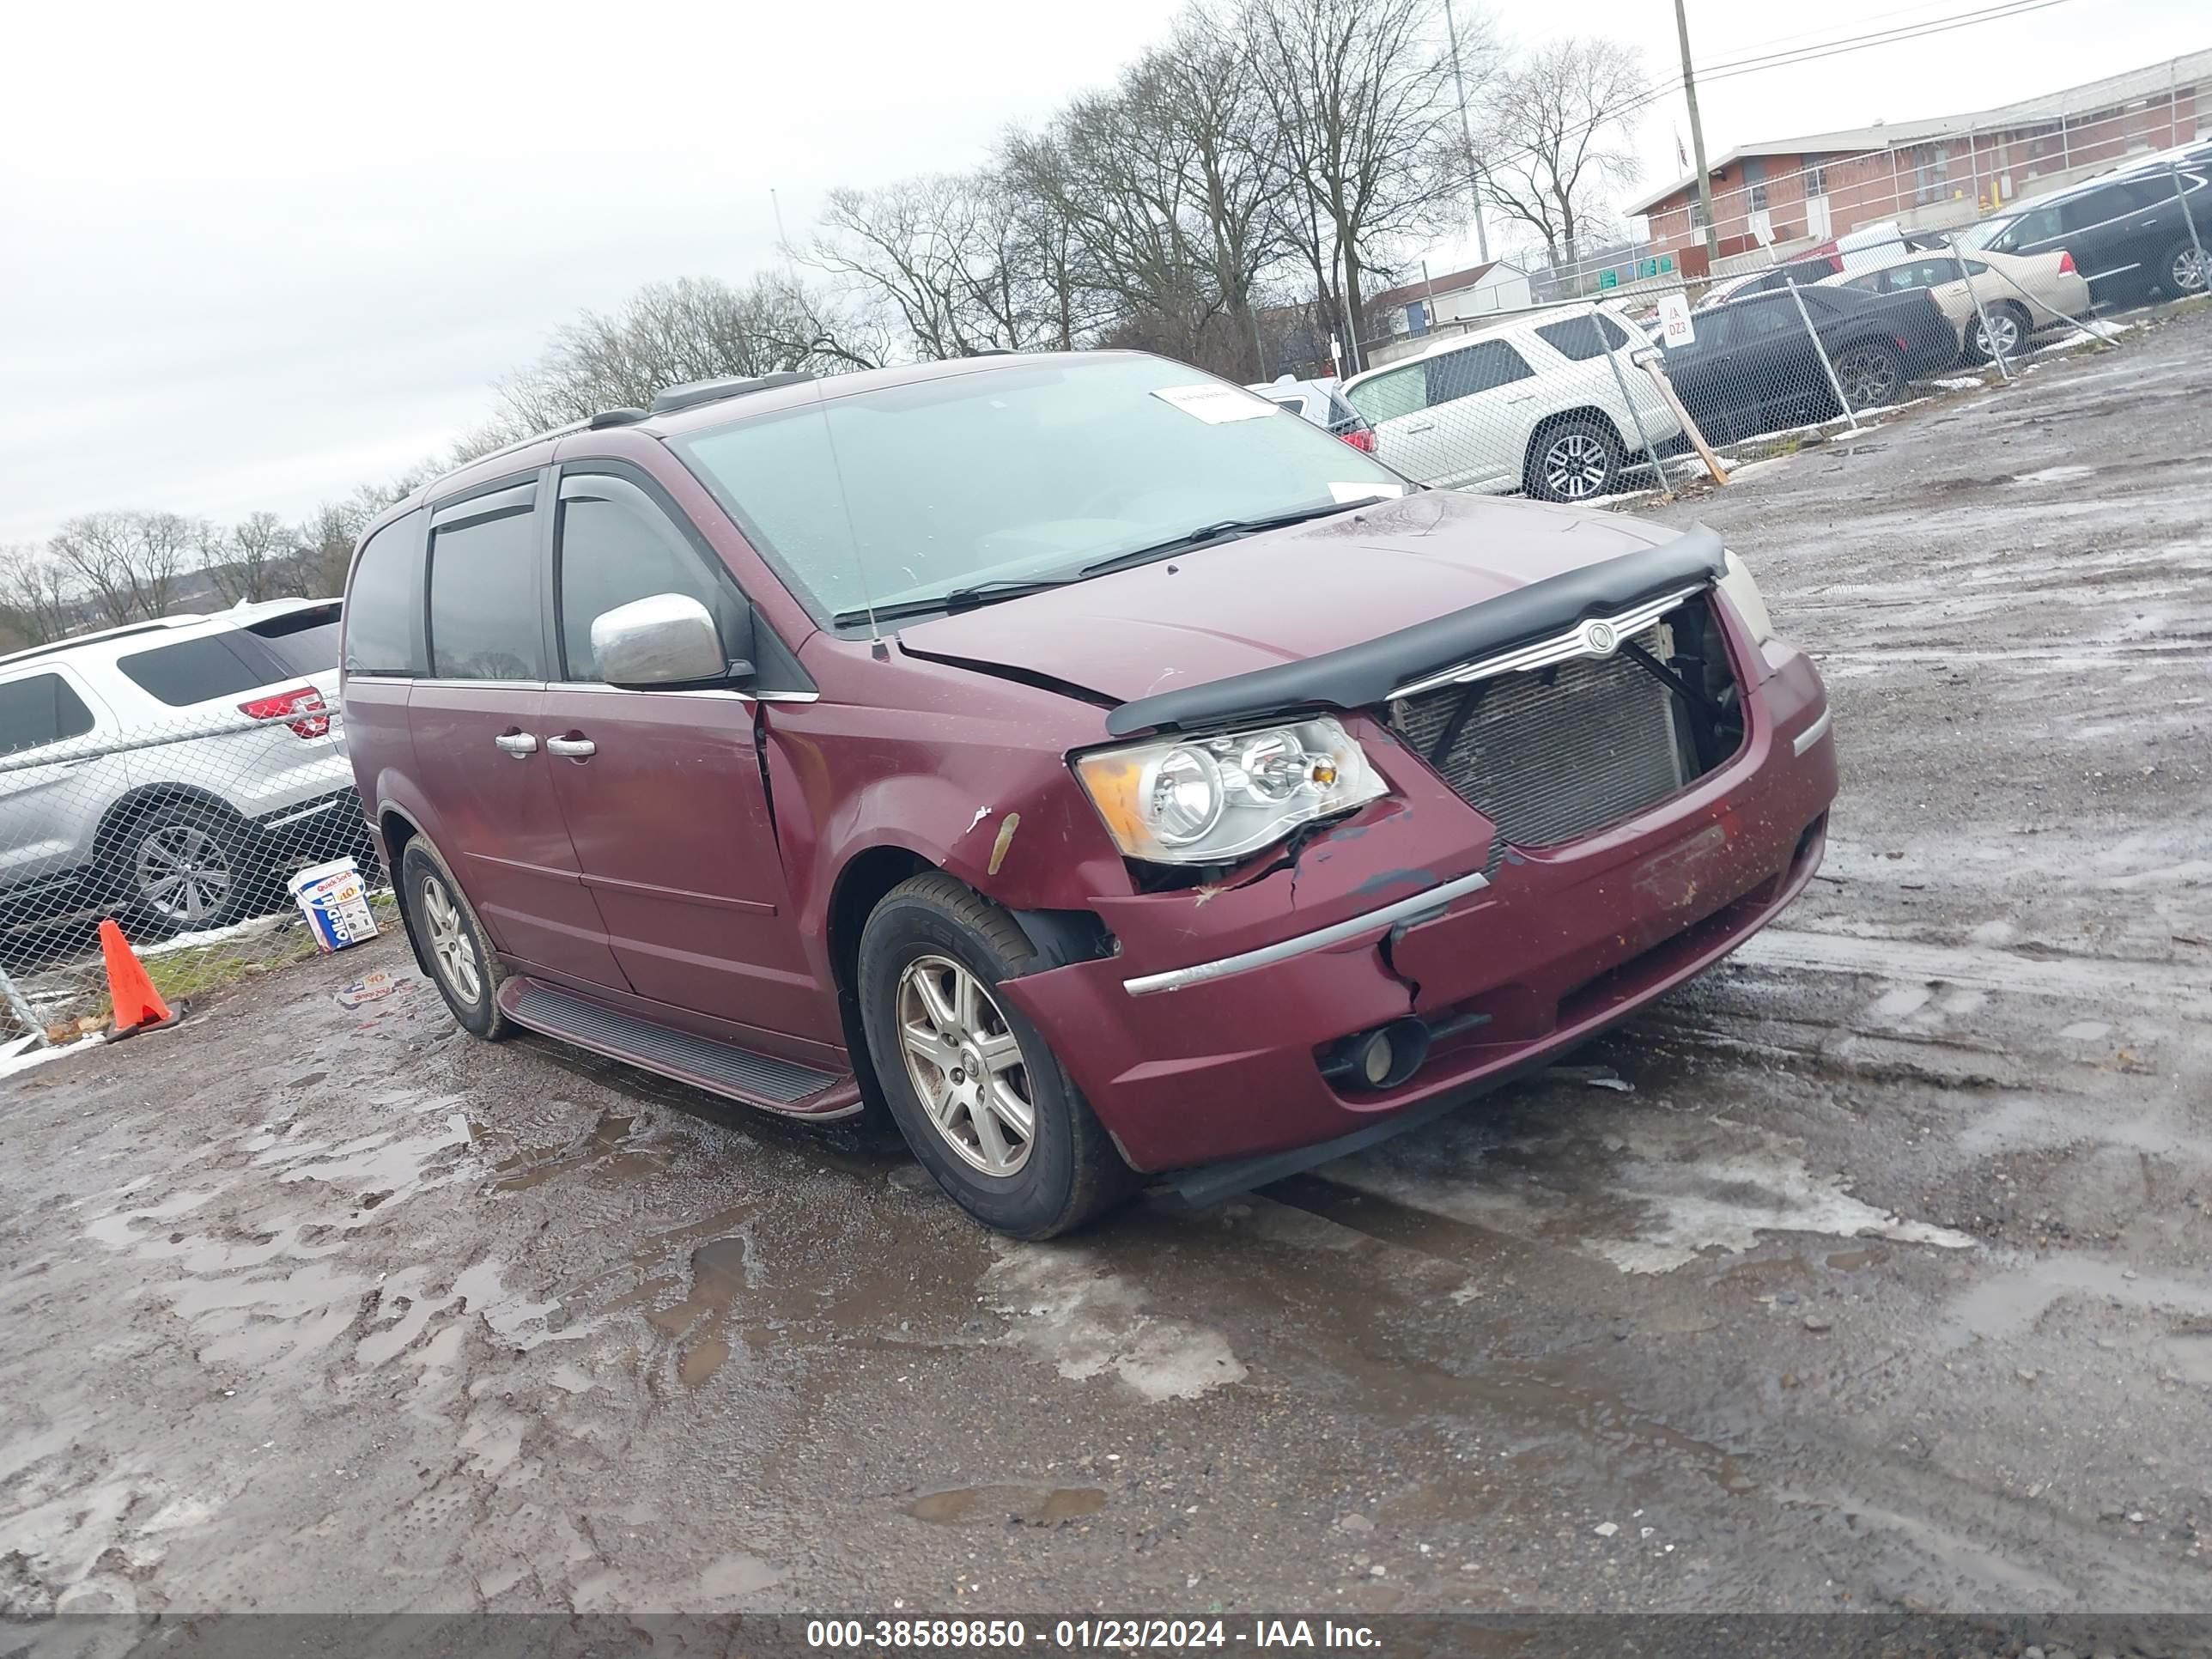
[{"x": 756, "y": 1079}]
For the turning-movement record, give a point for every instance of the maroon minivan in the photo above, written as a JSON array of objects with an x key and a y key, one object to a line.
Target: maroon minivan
[{"x": 1104, "y": 771}]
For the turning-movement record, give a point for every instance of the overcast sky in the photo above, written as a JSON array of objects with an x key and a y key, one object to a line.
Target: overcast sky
[{"x": 252, "y": 256}]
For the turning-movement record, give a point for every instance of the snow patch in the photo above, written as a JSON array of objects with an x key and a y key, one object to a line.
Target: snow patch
[{"x": 1087, "y": 1320}]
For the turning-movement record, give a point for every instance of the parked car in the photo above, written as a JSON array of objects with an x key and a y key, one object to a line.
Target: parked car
[
  {"x": 1804, "y": 272},
  {"x": 1532, "y": 404},
  {"x": 2022, "y": 294},
  {"x": 1180, "y": 787},
  {"x": 1322, "y": 403},
  {"x": 1752, "y": 366},
  {"x": 2129, "y": 233},
  {"x": 174, "y": 770}
]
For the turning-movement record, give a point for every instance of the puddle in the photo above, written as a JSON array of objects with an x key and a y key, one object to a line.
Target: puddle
[
  {"x": 1034, "y": 1506},
  {"x": 607, "y": 1151},
  {"x": 720, "y": 1271},
  {"x": 1852, "y": 1260},
  {"x": 2010, "y": 1304}
]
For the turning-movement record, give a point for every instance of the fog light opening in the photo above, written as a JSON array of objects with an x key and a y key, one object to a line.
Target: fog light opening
[{"x": 1382, "y": 1058}]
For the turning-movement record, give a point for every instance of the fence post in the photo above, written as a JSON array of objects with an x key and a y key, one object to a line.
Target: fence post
[
  {"x": 1636, "y": 414},
  {"x": 2195, "y": 240},
  {"x": 21, "y": 1012},
  {"x": 1821, "y": 351},
  {"x": 1981, "y": 311}
]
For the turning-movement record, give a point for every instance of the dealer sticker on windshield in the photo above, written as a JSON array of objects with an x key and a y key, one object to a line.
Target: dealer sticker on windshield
[{"x": 1215, "y": 404}]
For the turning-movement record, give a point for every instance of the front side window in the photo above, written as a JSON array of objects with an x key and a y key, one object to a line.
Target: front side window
[
  {"x": 38, "y": 709},
  {"x": 1482, "y": 368},
  {"x": 1388, "y": 396},
  {"x": 1022, "y": 472},
  {"x": 615, "y": 545},
  {"x": 483, "y": 597},
  {"x": 1763, "y": 320}
]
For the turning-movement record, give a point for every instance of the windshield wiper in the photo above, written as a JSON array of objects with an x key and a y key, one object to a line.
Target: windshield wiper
[
  {"x": 959, "y": 599},
  {"x": 1221, "y": 530}
]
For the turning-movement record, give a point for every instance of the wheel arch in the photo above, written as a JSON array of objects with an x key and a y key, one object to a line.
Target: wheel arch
[{"x": 114, "y": 822}]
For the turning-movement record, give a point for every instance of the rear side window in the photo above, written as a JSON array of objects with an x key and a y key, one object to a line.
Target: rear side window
[
  {"x": 484, "y": 592},
  {"x": 616, "y": 546},
  {"x": 1583, "y": 337},
  {"x": 38, "y": 709},
  {"x": 1475, "y": 369},
  {"x": 305, "y": 641},
  {"x": 384, "y": 602},
  {"x": 1388, "y": 396},
  {"x": 202, "y": 670}
]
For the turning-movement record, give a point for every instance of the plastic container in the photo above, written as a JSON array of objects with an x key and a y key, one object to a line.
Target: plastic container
[{"x": 335, "y": 903}]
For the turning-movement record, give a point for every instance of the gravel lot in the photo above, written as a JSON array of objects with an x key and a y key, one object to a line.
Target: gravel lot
[{"x": 1876, "y": 1279}]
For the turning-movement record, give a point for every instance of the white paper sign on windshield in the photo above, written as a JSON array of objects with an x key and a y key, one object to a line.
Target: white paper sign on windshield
[
  {"x": 1675, "y": 327},
  {"x": 1366, "y": 492},
  {"x": 1215, "y": 404}
]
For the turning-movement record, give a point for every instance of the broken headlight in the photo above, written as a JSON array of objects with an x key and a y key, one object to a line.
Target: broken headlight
[{"x": 1212, "y": 799}]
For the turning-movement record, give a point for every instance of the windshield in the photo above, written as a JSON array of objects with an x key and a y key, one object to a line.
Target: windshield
[
  {"x": 1017, "y": 473},
  {"x": 1981, "y": 236}
]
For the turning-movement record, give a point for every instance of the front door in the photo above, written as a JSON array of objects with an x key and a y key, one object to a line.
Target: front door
[
  {"x": 479, "y": 726},
  {"x": 662, "y": 790}
]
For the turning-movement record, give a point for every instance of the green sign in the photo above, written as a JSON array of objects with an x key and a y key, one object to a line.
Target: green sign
[
  {"x": 1608, "y": 279},
  {"x": 1647, "y": 267},
  {"x": 1666, "y": 262}
]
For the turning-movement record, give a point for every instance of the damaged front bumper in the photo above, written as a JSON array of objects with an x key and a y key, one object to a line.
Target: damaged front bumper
[{"x": 1204, "y": 1038}]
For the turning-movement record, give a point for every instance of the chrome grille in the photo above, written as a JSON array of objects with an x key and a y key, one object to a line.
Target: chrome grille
[{"x": 1554, "y": 753}]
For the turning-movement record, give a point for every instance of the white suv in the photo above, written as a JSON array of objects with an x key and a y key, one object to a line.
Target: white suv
[
  {"x": 174, "y": 771},
  {"x": 1529, "y": 403}
]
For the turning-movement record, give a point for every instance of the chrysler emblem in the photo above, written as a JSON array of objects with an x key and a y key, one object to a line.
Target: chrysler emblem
[{"x": 1598, "y": 639}]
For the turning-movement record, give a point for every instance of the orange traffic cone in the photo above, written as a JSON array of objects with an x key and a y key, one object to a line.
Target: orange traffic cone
[{"x": 138, "y": 1005}]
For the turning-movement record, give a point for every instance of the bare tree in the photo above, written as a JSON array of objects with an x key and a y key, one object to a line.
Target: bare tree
[
  {"x": 1358, "y": 93},
  {"x": 697, "y": 328},
  {"x": 257, "y": 560},
  {"x": 1556, "y": 137},
  {"x": 35, "y": 603},
  {"x": 127, "y": 562}
]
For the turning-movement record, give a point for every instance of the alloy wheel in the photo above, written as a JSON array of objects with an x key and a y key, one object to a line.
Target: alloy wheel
[
  {"x": 184, "y": 874},
  {"x": 2188, "y": 271},
  {"x": 1867, "y": 376},
  {"x": 2002, "y": 337},
  {"x": 1576, "y": 466},
  {"x": 451, "y": 946},
  {"x": 966, "y": 1065}
]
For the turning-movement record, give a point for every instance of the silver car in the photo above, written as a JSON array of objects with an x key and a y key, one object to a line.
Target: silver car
[{"x": 174, "y": 772}]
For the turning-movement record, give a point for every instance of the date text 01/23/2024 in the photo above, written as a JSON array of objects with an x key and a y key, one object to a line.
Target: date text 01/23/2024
[{"x": 1008, "y": 1635}]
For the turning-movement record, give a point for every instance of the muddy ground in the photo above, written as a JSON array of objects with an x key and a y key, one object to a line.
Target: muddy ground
[{"x": 1882, "y": 1283}]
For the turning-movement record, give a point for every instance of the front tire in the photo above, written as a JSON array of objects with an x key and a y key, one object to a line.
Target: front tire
[
  {"x": 1574, "y": 460},
  {"x": 976, "y": 1090},
  {"x": 450, "y": 940}
]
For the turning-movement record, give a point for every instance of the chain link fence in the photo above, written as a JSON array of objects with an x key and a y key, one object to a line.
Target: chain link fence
[{"x": 174, "y": 776}]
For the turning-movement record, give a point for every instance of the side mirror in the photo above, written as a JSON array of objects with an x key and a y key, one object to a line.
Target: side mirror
[{"x": 665, "y": 639}]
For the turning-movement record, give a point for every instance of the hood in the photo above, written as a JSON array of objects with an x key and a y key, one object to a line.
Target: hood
[{"x": 1282, "y": 596}]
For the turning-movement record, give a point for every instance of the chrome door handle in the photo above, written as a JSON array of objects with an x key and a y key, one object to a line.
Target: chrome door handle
[
  {"x": 1420, "y": 426},
  {"x": 572, "y": 748},
  {"x": 518, "y": 744}
]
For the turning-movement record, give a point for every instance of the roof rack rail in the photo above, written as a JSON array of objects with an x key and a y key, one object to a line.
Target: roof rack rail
[
  {"x": 607, "y": 417},
  {"x": 696, "y": 392}
]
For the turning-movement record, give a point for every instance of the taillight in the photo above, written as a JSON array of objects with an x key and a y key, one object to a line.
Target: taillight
[
  {"x": 305, "y": 701},
  {"x": 1904, "y": 344},
  {"x": 2065, "y": 263},
  {"x": 1361, "y": 439}
]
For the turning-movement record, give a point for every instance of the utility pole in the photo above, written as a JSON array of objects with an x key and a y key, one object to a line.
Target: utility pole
[
  {"x": 1466, "y": 138},
  {"x": 1696, "y": 139}
]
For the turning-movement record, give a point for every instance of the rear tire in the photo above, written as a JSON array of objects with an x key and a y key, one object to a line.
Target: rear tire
[
  {"x": 1577, "y": 459},
  {"x": 182, "y": 867},
  {"x": 2181, "y": 272},
  {"x": 2011, "y": 325},
  {"x": 451, "y": 942},
  {"x": 1871, "y": 373},
  {"x": 976, "y": 1089}
]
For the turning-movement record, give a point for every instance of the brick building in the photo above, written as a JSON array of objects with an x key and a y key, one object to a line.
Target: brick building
[{"x": 1928, "y": 174}]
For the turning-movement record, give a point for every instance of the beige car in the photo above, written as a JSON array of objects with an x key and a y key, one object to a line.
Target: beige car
[{"x": 2023, "y": 293}]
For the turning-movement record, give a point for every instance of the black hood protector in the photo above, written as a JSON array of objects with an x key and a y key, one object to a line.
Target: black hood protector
[{"x": 1360, "y": 676}]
